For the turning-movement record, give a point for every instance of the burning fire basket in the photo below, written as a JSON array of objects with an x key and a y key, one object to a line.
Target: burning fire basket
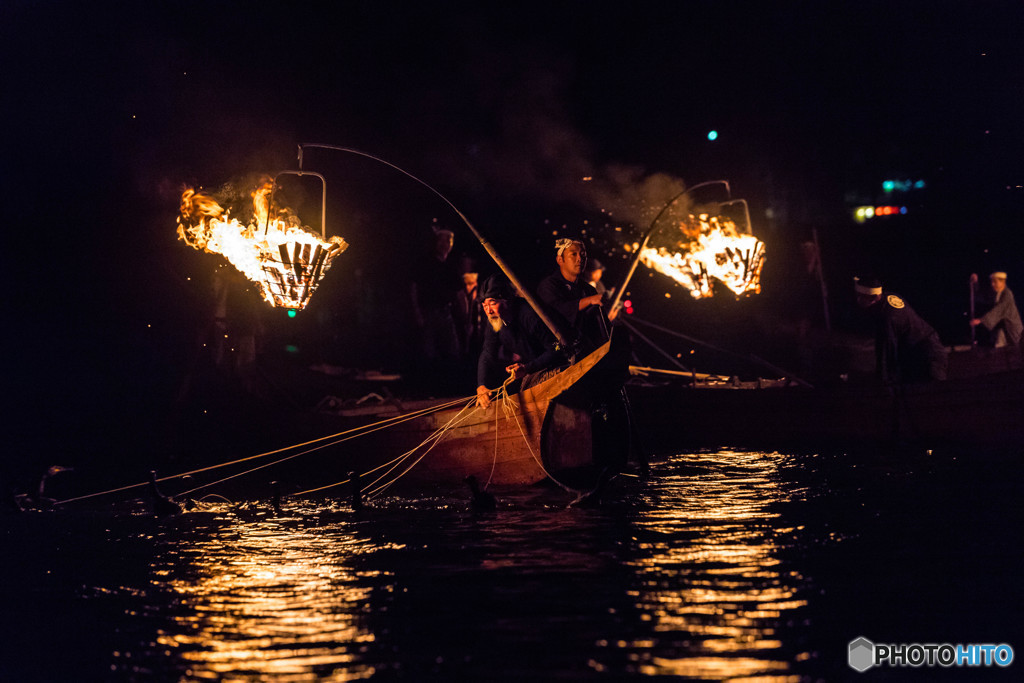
[
  {"x": 292, "y": 275},
  {"x": 285, "y": 260}
]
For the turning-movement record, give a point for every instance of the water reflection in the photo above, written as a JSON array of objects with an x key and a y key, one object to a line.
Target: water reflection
[
  {"x": 270, "y": 597},
  {"x": 709, "y": 577},
  {"x": 685, "y": 576},
  {"x": 734, "y": 566}
]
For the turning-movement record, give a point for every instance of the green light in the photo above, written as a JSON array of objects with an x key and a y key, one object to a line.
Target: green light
[
  {"x": 292, "y": 312},
  {"x": 291, "y": 348},
  {"x": 889, "y": 185},
  {"x": 712, "y": 135}
]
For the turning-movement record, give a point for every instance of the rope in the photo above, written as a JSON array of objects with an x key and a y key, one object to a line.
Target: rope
[
  {"x": 437, "y": 436},
  {"x": 347, "y": 435},
  {"x": 395, "y": 462}
]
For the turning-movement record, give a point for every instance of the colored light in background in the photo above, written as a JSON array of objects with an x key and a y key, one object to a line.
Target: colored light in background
[{"x": 712, "y": 135}]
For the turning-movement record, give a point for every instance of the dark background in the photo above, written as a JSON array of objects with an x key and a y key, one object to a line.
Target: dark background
[{"x": 110, "y": 110}]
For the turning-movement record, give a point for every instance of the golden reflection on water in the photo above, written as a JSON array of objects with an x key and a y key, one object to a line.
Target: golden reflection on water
[
  {"x": 269, "y": 599},
  {"x": 709, "y": 574}
]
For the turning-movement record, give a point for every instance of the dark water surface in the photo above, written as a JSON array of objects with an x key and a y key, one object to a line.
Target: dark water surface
[{"x": 729, "y": 565}]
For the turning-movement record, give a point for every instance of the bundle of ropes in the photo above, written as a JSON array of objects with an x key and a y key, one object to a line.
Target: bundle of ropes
[{"x": 384, "y": 475}]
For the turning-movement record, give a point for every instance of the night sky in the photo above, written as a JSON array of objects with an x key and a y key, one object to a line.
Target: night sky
[{"x": 110, "y": 110}]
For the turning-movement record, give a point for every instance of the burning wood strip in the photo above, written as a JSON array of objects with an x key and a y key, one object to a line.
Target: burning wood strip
[
  {"x": 314, "y": 279},
  {"x": 301, "y": 257}
]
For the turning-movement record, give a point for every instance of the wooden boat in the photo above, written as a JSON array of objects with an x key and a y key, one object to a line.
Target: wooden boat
[
  {"x": 544, "y": 430},
  {"x": 982, "y": 411}
]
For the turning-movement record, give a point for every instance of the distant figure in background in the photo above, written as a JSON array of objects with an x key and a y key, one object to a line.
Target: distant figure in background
[
  {"x": 516, "y": 342},
  {"x": 593, "y": 273},
  {"x": 806, "y": 305},
  {"x": 1002, "y": 319},
  {"x": 434, "y": 284},
  {"x": 907, "y": 349},
  {"x": 469, "y": 312},
  {"x": 574, "y": 305}
]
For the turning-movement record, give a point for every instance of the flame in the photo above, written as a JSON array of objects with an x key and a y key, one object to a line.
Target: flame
[
  {"x": 274, "y": 251},
  {"x": 709, "y": 248}
]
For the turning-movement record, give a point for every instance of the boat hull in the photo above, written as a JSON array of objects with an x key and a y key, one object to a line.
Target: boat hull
[
  {"x": 984, "y": 411},
  {"x": 541, "y": 432}
]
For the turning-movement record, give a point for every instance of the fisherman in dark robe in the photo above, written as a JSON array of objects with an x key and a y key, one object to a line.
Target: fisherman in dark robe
[
  {"x": 516, "y": 341},
  {"x": 573, "y": 305},
  {"x": 1002, "y": 319},
  {"x": 907, "y": 349}
]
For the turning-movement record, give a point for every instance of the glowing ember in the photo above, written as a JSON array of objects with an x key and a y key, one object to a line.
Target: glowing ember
[
  {"x": 709, "y": 248},
  {"x": 285, "y": 261}
]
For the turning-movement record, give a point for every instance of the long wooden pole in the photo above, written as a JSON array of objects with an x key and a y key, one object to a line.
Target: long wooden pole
[
  {"x": 821, "y": 279},
  {"x": 491, "y": 251},
  {"x": 973, "y": 328}
]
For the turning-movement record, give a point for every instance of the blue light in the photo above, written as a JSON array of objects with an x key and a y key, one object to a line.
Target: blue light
[
  {"x": 889, "y": 185},
  {"x": 712, "y": 135}
]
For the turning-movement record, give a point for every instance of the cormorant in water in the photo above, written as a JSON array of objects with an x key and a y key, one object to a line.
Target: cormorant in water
[
  {"x": 162, "y": 504},
  {"x": 592, "y": 498},
  {"x": 39, "y": 500},
  {"x": 482, "y": 500}
]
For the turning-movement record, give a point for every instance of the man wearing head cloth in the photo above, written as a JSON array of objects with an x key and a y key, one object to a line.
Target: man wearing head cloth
[
  {"x": 516, "y": 341},
  {"x": 1003, "y": 319},
  {"x": 907, "y": 349},
  {"x": 574, "y": 305}
]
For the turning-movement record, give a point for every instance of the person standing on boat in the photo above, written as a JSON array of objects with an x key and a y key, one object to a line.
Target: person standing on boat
[
  {"x": 435, "y": 280},
  {"x": 574, "y": 305},
  {"x": 468, "y": 312},
  {"x": 1003, "y": 319},
  {"x": 907, "y": 349},
  {"x": 593, "y": 272},
  {"x": 516, "y": 342}
]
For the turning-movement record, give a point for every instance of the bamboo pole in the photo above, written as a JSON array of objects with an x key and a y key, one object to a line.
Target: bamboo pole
[
  {"x": 616, "y": 303},
  {"x": 491, "y": 251}
]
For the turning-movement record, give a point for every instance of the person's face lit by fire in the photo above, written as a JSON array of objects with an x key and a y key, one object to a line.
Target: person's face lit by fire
[
  {"x": 494, "y": 309},
  {"x": 470, "y": 280},
  {"x": 571, "y": 260},
  {"x": 998, "y": 284}
]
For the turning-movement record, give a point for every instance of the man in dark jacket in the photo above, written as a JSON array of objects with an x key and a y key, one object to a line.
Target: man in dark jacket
[
  {"x": 574, "y": 305},
  {"x": 907, "y": 349},
  {"x": 516, "y": 342}
]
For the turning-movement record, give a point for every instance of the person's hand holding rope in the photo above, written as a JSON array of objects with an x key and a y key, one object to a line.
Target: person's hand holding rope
[{"x": 515, "y": 371}]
